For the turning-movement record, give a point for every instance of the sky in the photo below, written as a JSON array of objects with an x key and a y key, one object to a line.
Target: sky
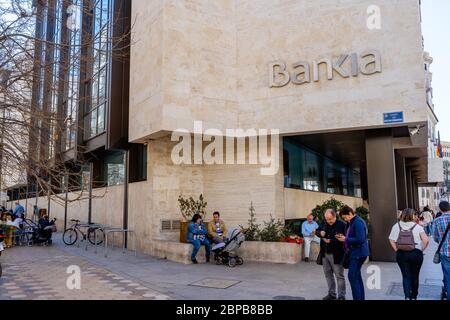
[{"x": 436, "y": 32}]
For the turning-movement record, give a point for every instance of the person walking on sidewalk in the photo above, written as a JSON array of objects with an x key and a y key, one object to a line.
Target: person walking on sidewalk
[
  {"x": 309, "y": 232},
  {"x": 409, "y": 240},
  {"x": 332, "y": 254},
  {"x": 441, "y": 236},
  {"x": 427, "y": 216},
  {"x": 357, "y": 248}
]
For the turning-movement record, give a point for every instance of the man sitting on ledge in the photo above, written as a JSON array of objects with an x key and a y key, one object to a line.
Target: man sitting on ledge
[
  {"x": 217, "y": 229},
  {"x": 197, "y": 236},
  {"x": 308, "y": 230}
]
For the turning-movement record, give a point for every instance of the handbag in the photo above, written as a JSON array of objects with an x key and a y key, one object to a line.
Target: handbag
[{"x": 437, "y": 255}]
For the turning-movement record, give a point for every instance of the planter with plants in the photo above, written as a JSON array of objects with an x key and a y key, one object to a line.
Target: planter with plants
[
  {"x": 290, "y": 234},
  {"x": 188, "y": 208},
  {"x": 273, "y": 242}
]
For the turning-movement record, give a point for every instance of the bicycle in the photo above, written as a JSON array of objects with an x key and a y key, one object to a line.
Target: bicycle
[{"x": 70, "y": 235}]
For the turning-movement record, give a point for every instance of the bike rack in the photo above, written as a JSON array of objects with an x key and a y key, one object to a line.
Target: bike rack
[
  {"x": 107, "y": 232},
  {"x": 124, "y": 232}
]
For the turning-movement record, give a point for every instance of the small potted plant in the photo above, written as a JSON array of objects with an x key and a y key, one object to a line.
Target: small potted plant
[{"x": 188, "y": 208}]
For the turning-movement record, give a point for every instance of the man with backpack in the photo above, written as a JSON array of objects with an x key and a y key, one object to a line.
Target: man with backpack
[
  {"x": 409, "y": 241},
  {"x": 440, "y": 233}
]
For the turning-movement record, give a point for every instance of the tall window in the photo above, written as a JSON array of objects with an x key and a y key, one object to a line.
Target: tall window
[
  {"x": 55, "y": 75},
  {"x": 73, "y": 83},
  {"x": 95, "y": 113}
]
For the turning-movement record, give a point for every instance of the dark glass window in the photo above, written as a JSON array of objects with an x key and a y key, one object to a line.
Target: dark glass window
[
  {"x": 138, "y": 163},
  {"x": 109, "y": 169},
  {"x": 307, "y": 170},
  {"x": 115, "y": 169}
]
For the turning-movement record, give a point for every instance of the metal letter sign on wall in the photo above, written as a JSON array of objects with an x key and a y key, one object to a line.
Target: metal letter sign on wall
[{"x": 346, "y": 65}]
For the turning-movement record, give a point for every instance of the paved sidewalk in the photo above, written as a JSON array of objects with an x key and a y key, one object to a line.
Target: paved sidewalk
[
  {"x": 124, "y": 276},
  {"x": 40, "y": 273}
]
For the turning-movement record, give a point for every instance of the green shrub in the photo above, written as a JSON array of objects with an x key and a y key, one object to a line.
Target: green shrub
[
  {"x": 290, "y": 229},
  {"x": 363, "y": 213},
  {"x": 319, "y": 211},
  {"x": 252, "y": 233},
  {"x": 272, "y": 231}
]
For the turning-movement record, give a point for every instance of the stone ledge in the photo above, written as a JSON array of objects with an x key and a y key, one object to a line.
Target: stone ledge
[
  {"x": 271, "y": 252},
  {"x": 175, "y": 251}
]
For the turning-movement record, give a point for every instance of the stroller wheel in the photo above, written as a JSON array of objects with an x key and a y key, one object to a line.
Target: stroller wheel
[
  {"x": 232, "y": 262},
  {"x": 239, "y": 261}
]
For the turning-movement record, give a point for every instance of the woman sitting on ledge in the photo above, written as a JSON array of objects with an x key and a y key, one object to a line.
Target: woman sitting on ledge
[{"x": 197, "y": 236}]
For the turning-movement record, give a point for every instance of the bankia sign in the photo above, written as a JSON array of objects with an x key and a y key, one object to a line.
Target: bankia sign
[{"x": 346, "y": 66}]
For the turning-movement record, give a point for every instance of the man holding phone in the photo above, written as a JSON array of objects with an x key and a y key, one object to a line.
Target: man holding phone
[{"x": 332, "y": 254}]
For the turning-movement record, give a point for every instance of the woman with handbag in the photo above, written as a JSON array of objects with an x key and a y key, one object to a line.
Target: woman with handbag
[
  {"x": 357, "y": 250},
  {"x": 409, "y": 241}
]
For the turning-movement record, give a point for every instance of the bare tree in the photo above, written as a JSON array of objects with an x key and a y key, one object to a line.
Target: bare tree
[{"x": 45, "y": 54}]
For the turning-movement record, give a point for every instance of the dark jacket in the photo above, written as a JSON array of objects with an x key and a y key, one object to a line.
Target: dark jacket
[
  {"x": 196, "y": 230},
  {"x": 335, "y": 247},
  {"x": 356, "y": 238}
]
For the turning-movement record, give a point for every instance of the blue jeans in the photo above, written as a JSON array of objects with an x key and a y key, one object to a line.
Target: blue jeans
[
  {"x": 197, "y": 244},
  {"x": 445, "y": 262},
  {"x": 355, "y": 278}
]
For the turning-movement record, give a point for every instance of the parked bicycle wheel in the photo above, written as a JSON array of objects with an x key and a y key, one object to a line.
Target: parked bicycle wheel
[
  {"x": 100, "y": 236},
  {"x": 70, "y": 237}
]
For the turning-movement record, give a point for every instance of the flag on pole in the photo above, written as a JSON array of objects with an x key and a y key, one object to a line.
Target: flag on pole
[{"x": 439, "y": 146}]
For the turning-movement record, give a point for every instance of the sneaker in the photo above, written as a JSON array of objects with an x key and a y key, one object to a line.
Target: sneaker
[
  {"x": 194, "y": 261},
  {"x": 329, "y": 298},
  {"x": 306, "y": 259}
]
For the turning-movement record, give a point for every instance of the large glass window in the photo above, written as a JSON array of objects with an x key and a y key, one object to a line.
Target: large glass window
[
  {"x": 54, "y": 99},
  {"x": 307, "y": 170},
  {"x": 115, "y": 169},
  {"x": 95, "y": 112},
  {"x": 73, "y": 83}
]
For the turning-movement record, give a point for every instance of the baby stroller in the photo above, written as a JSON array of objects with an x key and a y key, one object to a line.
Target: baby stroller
[
  {"x": 38, "y": 235},
  {"x": 225, "y": 253}
]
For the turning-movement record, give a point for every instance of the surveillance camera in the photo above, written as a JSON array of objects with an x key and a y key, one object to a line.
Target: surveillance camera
[{"x": 415, "y": 131}]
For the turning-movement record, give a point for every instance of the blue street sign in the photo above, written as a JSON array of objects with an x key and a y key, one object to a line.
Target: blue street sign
[{"x": 394, "y": 117}]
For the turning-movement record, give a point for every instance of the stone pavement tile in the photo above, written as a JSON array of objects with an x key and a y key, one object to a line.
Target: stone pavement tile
[{"x": 45, "y": 279}]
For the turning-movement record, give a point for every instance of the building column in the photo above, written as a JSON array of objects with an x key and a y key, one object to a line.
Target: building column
[
  {"x": 400, "y": 170},
  {"x": 416, "y": 204},
  {"x": 409, "y": 188},
  {"x": 382, "y": 192}
]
